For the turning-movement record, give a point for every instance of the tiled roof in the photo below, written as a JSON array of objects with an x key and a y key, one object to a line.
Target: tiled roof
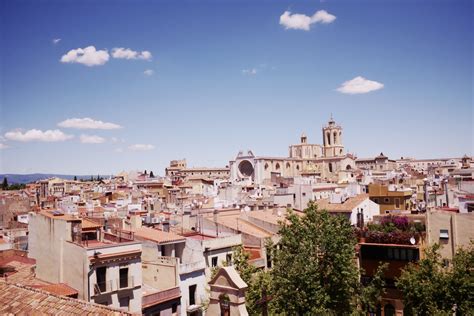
[
  {"x": 158, "y": 236},
  {"x": 59, "y": 289},
  {"x": 88, "y": 224},
  {"x": 23, "y": 300},
  {"x": 347, "y": 206}
]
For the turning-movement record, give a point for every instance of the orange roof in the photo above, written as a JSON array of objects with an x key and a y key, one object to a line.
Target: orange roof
[
  {"x": 88, "y": 224},
  {"x": 158, "y": 236},
  {"x": 18, "y": 299},
  {"x": 59, "y": 289},
  {"x": 347, "y": 206}
]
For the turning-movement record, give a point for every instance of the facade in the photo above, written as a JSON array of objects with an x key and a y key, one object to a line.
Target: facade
[
  {"x": 450, "y": 230},
  {"x": 379, "y": 163},
  {"x": 388, "y": 199},
  {"x": 227, "y": 294},
  {"x": 102, "y": 267},
  {"x": 325, "y": 162}
]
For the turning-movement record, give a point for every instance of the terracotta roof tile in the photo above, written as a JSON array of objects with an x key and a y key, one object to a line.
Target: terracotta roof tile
[
  {"x": 19, "y": 299},
  {"x": 157, "y": 235},
  {"x": 347, "y": 206}
]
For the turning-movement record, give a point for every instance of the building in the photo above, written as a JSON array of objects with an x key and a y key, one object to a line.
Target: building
[
  {"x": 390, "y": 198},
  {"x": 18, "y": 299},
  {"x": 358, "y": 209},
  {"x": 104, "y": 268},
  {"x": 379, "y": 163},
  {"x": 313, "y": 160},
  {"x": 450, "y": 230}
]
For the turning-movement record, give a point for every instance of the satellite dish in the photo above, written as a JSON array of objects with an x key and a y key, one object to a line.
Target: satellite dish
[{"x": 412, "y": 240}]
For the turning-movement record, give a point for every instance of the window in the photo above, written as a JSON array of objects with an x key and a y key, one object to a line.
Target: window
[
  {"x": 228, "y": 258},
  {"x": 192, "y": 294},
  {"x": 214, "y": 261},
  {"x": 397, "y": 202},
  {"x": 330, "y": 167},
  {"x": 386, "y": 200},
  {"x": 123, "y": 277},
  {"x": 277, "y": 166},
  {"x": 101, "y": 278},
  {"x": 443, "y": 234},
  {"x": 174, "y": 308}
]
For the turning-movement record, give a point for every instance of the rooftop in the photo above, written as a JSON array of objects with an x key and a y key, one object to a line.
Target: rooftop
[
  {"x": 18, "y": 299},
  {"x": 158, "y": 236},
  {"x": 347, "y": 206}
]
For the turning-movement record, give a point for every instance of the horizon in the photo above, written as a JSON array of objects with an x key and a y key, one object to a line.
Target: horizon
[{"x": 135, "y": 85}]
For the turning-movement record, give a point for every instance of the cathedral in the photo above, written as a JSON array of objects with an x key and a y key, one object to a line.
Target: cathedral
[{"x": 329, "y": 162}]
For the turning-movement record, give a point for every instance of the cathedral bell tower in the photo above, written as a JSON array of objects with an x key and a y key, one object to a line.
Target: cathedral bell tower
[{"x": 332, "y": 140}]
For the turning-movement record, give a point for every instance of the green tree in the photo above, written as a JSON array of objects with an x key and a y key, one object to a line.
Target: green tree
[
  {"x": 5, "y": 184},
  {"x": 314, "y": 269},
  {"x": 92, "y": 179},
  {"x": 151, "y": 174},
  {"x": 371, "y": 294},
  {"x": 430, "y": 287},
  {"x": 256, "y": 280},
  {"x": 75, "y": 178}
]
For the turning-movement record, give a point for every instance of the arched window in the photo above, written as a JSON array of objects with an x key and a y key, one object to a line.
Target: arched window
[
  {"x": 287, "y": 165},
  {"x": 277, "y": 166},
  {"x": 328, "y": 138},
  {"x": 348, "y": 167},
  {"x": 266, "y": 166},
  {"x": 330, "y": 167},
  {"x": 297, "y": 167},
  {"x": 335, "y": 137}
]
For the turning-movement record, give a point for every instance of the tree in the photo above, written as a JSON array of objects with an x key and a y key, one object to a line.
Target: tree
[
  {"x": 314, "y": 269},
  {"x": 371, "y": 293},
  {"x": 5, "y": 184},
  {"x": 75, "y": 178},
  {"x": 430, "y": 287},
  {"x": 92, "y": 179},
  {"x": 151, "y": 174},
  {"x": 256, "y": 280}
]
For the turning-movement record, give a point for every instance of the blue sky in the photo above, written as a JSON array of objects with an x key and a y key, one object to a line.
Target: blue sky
[{"x": 225, "y": 76}]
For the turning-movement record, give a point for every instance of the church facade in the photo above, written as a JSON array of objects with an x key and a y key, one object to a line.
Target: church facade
[{"x": 329, "y": 161}]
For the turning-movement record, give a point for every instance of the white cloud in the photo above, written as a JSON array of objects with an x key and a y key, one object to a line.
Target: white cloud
[
  {"x": 127, "y": 53},
  {"x": 303, "y": 22},
  {"x": 359, "y": 85},
  {"x": 87, "y": 123},
  {"x": 3, "y": 146},
  {"x": 37, "y": 135},
  {"x": 252, "y": 71},
  {"x": 88, "y": 56},
  {"x": 91, "y": 139},
  {"x": 56, "y": 40},
  {"x": 148, "y": 72},
  {"x": 141, "y": 147}
]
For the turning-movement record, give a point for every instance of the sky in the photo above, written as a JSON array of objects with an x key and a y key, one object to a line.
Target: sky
[{"x": 90, "y": 87}]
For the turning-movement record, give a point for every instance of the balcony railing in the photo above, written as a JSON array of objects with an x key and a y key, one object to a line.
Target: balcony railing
[
  {"x": 114, "y": 285},
  {"x": 159, "y": 297},
  {"x": 126, "y": 283},
  {"x": 103, "y": 287}
]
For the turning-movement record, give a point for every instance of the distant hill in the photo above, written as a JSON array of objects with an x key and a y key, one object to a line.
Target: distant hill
[{"x": 33, "y": 177}]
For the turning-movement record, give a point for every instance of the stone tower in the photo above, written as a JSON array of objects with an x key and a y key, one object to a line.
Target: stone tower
[{"x": 332, "y": 140}]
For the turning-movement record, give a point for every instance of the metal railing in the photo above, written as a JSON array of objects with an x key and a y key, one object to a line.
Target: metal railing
[
  {"x": 103, "y": 287},
  {"x": 126, "y": 283},
  {"x": 161, "y": 296}
]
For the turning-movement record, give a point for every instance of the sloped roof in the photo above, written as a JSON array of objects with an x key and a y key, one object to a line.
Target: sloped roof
[
  {"x": 232, "y": 277},
  {"x": 157, "y": 236},
  {"x": 18, "y": 299},
  {"x": 347, "y": 206},
  {"x": 59, "y": 289}
]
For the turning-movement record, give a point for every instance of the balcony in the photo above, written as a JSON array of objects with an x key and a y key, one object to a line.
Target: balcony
[
  {"x": 126, "y": 283},
  {"x": 160, "y": 297},
  {"x": 395, "y": 230},
  {"x": 103, "y": 287},
  {"x": 114, "y": 285}
]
